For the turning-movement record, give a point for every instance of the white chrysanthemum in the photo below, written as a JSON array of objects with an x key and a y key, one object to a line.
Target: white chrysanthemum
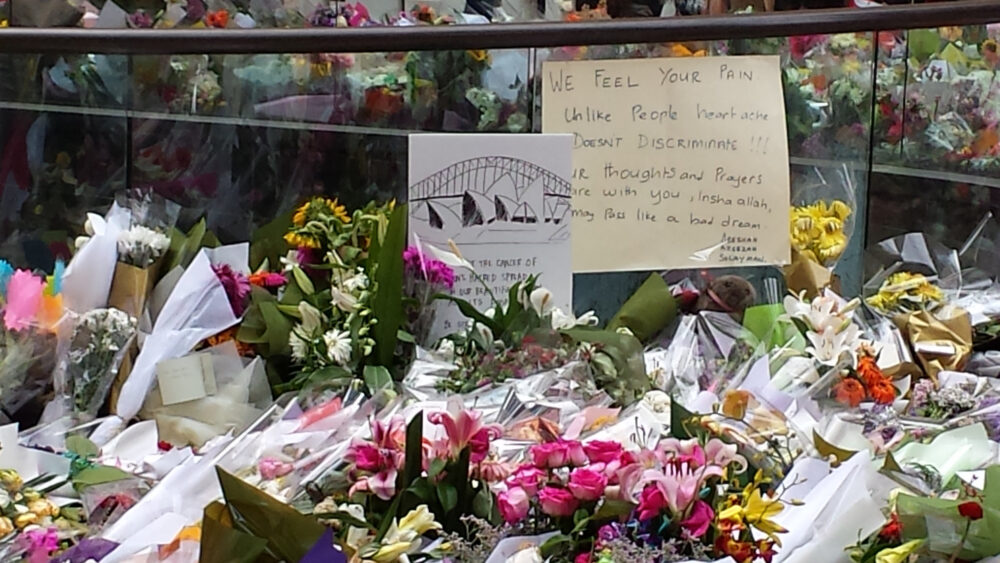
[
  {"x": 338, "y": 346},
  {"x": 299, "y": 346},
  {"x": 141, "y": 246}
]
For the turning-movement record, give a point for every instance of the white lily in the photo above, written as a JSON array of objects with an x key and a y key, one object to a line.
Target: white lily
[
  {"x": 828, "y": 346},
  {"x": 312, "y": 319},
  {"x": 565, "y": 321},
  {"x": 541, "y": 301}
]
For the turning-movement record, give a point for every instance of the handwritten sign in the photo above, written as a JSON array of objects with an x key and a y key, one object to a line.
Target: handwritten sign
[
  {"x": 504, "y": 200},
  {"x": 677, "y": 163}
]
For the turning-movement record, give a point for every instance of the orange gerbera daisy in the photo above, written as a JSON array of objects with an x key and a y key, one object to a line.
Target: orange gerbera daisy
[
  {"x": 882, "y": 391},
  {"x": 849, "y": 391},
  {"x": 869, "y": 371}
]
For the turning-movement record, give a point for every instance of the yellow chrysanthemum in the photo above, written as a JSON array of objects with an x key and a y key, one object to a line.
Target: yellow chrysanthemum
[
  {"x": 904, "y": 290},
  {"x": 817, "y": 230}
]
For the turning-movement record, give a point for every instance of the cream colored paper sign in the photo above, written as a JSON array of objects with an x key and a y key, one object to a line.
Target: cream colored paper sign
[
  {"x": 186, "y": 379},
  {"x": 677, "y": 163}
]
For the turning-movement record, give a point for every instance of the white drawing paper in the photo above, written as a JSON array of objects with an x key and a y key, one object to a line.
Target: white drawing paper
[{"x": 504, "y": 200}]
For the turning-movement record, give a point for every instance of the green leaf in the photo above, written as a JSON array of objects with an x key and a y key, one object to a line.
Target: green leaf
[
  {"x": 470, "y": 311},
  {"x": 82, "y": 447},
  {"x": 422, "y": 489},
  {"x": 388, "y": 517},
  {"x": 183, "y": 248},
  {"x": 436, "y": 467},
  {"x": 377, "y": 378},
  {"x": 387, "y": 304},
  {"x": 403, "y": 336},
  {"x": 555, "y": 545},
  {"x": 414, "y": 450},
  {"x": 482, "y": 504},
  {"x": 678, "y": 417},
  {"x": 612, "y": 509},
  {"x": 448, "y": 495},
  {"x": 303, "y": 281},
  {"x": 98, "y": 476}
]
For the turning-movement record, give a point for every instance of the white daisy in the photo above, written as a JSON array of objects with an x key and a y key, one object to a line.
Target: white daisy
[{"x": 338, "y": 346}]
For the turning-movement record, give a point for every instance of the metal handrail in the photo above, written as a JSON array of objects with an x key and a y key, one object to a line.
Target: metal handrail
[{"x": 499, "y": 36}]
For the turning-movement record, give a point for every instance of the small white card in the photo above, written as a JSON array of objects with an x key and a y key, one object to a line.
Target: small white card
[
  {"x": 186, "y": 379},
  {"x": 935, "y": 348}
]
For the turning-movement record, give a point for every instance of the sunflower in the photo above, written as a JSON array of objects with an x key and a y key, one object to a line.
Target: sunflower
[
  {"x": 302, "y": 240},
  {"x": 320, "y": 208}
]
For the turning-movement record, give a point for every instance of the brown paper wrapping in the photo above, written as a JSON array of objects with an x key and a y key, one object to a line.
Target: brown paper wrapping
[
  {"x": 131, "y": 287},
  {"x": 803, "y": 274},
  {"x": 949, "y": 326}
]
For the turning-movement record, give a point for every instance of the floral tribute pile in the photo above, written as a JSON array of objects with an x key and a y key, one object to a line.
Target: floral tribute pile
[{"x": 290, "y": 393}]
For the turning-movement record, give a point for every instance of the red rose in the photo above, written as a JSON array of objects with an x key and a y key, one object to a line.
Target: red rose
[{"x": 971, "y": 510}]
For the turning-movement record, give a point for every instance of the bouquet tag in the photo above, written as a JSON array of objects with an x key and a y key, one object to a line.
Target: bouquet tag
[
  {"x": 186, "y": 379},
  {"x": 935, "y": 348}
]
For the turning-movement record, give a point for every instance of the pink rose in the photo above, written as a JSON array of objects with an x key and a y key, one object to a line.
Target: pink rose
[
  {"x": 528, "y": 478},
  {"x": 700, "y": 518},
  {"x": 587, "y": 484},
  {"x": 575, "y": 455},
  {"x": 271, "y": 468},
  {"x": 582, "y": 558},
  {"x": 549, "y": 455},
  {"x": 558, "y": 454},
  {"x": 651, "y": 502},
  {"x": 602, "y": 452},
  {"x": 513, "y": 504},
  {"x": 557, "y": 502}
]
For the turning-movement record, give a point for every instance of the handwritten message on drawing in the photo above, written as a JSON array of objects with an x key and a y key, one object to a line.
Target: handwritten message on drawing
[
  {"x": 677, "y": 163},
  {"x": 504, "y": 200}
]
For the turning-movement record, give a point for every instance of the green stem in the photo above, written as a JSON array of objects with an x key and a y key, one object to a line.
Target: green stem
[{"x": 961, "y": 544}]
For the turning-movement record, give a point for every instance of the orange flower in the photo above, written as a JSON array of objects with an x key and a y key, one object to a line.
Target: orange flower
[
  {"x": 882, "y": 391},
  {"x": 869, "y": 371},
  {"x": 849, "y": 391},
  {"x": 242, "y": 348},
  {"x": 219, "y": 18},
  {"x": 734, "y": 404}
]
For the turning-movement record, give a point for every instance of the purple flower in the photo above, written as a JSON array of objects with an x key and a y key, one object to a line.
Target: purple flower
[
  {"x": 307, "y": 257},
  {"x": 39, "y": 544},
  {"x": 140, "y": 20},
  {"x": 237, "y": 287},
  {"x": 434, "y": 272},
  {"x": 88, "y": 549}
]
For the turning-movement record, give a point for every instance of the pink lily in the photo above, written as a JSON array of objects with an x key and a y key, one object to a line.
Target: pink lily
[
  {"x": 722, "y": 454},
  {"x": 686, "y": 451},
  {"x": 467, "y": 429}
]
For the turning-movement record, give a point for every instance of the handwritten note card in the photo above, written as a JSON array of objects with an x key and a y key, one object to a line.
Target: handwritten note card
[
  {"x": 677, "y": 163},
  {"x": 505, "y": 202}
]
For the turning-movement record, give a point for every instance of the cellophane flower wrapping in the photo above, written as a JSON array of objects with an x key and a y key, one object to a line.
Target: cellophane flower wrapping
[
  {"x": 822, "y": 219},
  {"x": 98, "y": 344}
]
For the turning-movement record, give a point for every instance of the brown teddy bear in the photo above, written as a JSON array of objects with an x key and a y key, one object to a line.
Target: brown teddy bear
[{"x": 727, "y": 294}]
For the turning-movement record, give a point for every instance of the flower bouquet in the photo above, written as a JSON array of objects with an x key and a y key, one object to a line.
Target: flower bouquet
[
  {"x": 528, "y": 335},
  {"x": 345, "y": 292},
  {"x": 30, "y": 308},
  {"x": 101, "y": 339}
]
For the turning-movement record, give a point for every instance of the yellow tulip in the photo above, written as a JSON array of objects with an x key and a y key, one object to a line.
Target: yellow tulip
[{"x": 898, "y": 554}]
